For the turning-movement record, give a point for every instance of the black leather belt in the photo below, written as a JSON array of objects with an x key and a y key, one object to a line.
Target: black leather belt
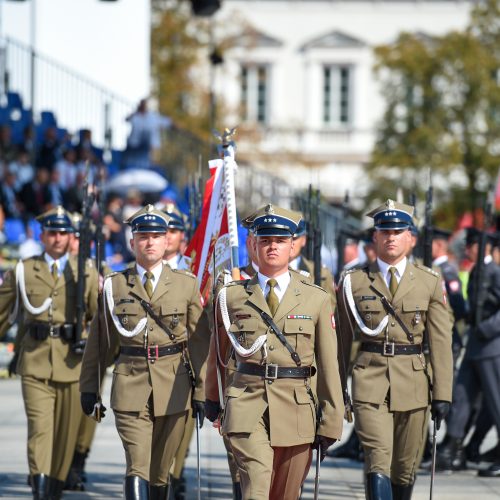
[
  {"x": 152, "y": 352},
  {"x": 40, "y": 331},
  {"x": 271, "y": 372},
  {"x": 390, "y": 348}
]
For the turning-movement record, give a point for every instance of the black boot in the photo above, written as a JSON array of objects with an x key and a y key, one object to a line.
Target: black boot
[
  {"x": 135, "y": 488},
  {"x": 402, "y": 491},
  {"x": 237, "y": 494},
  {"x": 39, "y": 486},
  {"x": 350, "y": 449},
  {"x": 492, "y": 455},
  {"x": 158, "y": 492},
  {"x": 55, "y": 489},
  {"x": 178, "y": 488},
  {"x": 378, "y": 487},
  {"x": 472, "y": 451},
  {"x": 74, "y": 481},
  {"x": 451, "y": 457}
]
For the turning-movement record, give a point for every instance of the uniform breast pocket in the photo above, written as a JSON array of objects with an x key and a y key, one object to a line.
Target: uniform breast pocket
[
  {"x": 300, "y": 334},
  {"x": 244, "y": 330},
  {"x": 415, "y": 311},
  {"x": 128, "y": 314},
  {"x": 371, "y": 311},
  {"x": 173, "y": 315}
]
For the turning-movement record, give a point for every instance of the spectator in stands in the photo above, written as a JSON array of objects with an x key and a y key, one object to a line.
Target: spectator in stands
[
  {"x": 22, "y": 167},
  {"x": 144, "y": 141},
  {"x": 29, "y": 247},
  {"x": 56, "y": 193},
  {"x": 36, "y": 196},
  {"x": 132, "y": 204},
  {"x": 66, "y": 167},
  {"x": 85, "y": 148},
  {"x": 113, "y": 221},
  {"x": 8, "y": 196},
  {"x": 7, "y": 147},
  {"x": 73, "y": 197},
  {"x": 29, "y": 143},
  {"x": 49, "y": 150},
  {"x": 3, "y": 238}
]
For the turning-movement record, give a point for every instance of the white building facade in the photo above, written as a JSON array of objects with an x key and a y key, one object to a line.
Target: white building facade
[{"x": 299, "y": 81}]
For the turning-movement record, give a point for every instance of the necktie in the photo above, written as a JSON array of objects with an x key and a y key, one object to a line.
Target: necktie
[
  {"x": 272, "y": 299},
  {"x": 393, "y": 282},
  {"x": 148, "y": 285},
  {"x": 55, "y": 272}
]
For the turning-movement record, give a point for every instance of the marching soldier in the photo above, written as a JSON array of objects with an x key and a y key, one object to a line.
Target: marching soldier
[
  {"x": 176, "y": 233},
  {"x": 390, "y": 303},
  {"x": 149, "y": 316},
  {"x": 306, "y": 267},
  {"x": 43, "y": 291},
  {"x": 282, "y": 331},
  {"x": 480, "y": 368}
]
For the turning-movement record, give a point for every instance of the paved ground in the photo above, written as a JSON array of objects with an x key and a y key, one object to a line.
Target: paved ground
[{"x": 340, "y": 479}]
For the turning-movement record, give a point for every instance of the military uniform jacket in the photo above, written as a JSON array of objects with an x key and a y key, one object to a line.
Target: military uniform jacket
[
  {"x": 176, "y": 301},
  {"x": 485, "y": 341},
  {"x": 420, "y": 303},
  {"x": 52, "y": 358},
  {"x": 305, "y": 318}
]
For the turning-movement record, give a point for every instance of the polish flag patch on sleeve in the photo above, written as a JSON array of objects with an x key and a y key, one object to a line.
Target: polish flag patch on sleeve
[
  {"x": 333, "y": 322},
  {"x": 443, "y": 285}
]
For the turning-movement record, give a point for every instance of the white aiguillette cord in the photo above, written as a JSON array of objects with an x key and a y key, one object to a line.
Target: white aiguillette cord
[{"x": 347, "y": 289}]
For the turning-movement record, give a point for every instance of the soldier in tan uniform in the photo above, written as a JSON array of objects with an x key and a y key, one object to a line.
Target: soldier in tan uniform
[
  {"x": 282, "y": 375},
  {"x": 43, "y": 291},
  {"x": 150, "y": 317},
  {"x": 390, "y": 303},
  {"x": 306, "y": 267}
]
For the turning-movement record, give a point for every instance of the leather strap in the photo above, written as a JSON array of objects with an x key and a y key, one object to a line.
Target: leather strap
[
  {"x": 271, "y": 371},
  {"x": 396, "y": 349}
]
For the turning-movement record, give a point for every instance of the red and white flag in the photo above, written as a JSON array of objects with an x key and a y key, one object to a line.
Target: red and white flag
[{"x": 210, "y": 243}]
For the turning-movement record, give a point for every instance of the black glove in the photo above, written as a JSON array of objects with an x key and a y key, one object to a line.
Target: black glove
[
  {"x": 439, "y": 410},
  {"x": 88, "y": 401},
  {"x": 212, "y": 410},
  {"x": 13, "y": 365},
  {"x": 198, "y": 411},
  {"x": 79, "y": 347},
  {"x": 324, "y": 443}
]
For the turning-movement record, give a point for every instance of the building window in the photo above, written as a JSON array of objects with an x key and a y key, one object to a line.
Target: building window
[
  {"x": 255, "y": 92},
  {"x": 337, "y": 95}
]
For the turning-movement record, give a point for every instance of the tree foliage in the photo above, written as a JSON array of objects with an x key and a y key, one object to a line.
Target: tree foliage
[{"x": 442, "y": 111}]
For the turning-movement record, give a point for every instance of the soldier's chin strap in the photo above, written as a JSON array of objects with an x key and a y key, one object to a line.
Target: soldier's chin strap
[
  {"x": 108, "y": 299},
  {"x": 347, "y": 290},
  {"x": 242, "y": 351},
  {"x": 21, "y": 286}
]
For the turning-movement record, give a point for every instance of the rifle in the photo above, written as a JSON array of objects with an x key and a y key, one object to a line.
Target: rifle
[
  {"x": 342, "y": 236},
  {"x": 479, "y": 290},
  {"x": 83, "y": 255},
  {"x": 428, "y": 228},
  {"x": 100, "y": 255},
  {"x": 317, "y": 238}
]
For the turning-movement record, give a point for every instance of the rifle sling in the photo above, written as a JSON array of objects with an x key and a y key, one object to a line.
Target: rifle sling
[
  {"x": 185, "y": 359},
  {"x": 271, "y": 324}
]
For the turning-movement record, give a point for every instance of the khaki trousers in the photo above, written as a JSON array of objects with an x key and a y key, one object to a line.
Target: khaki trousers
[
  {"x": 86, "y": 432},
  {"x": 233, "y": 466},
  {"x": 269, "y": 472},
  {"x": 150, "y": 442},
  {"x": 53, "y": 412},
  {"x": 180, "y": 456},
  {"x": 391, "y": 440}
]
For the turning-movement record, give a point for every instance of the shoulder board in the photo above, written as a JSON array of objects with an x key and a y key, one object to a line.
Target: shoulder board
[
  {"x": 427, "y": 269},
  {"x": 312, "y": 284},
  {"x": 237, "y": 282},
  {"x": 114, "y": 273},
  {"x": 305, "y": 273},
  {"x": 184, "y": 272},
  {"x": 90, "y": 263}
]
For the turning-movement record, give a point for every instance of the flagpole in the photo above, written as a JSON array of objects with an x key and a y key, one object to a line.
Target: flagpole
[{"x": 227, "y": 150}]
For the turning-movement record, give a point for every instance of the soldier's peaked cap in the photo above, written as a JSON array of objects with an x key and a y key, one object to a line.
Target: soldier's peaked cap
[
  {"x": 176, "y": 218},
  {"x": 440, "y": 234},
  {"x": 392, "y": 215},
  {"x": 271, "y": 220},
  {"x": 57, "y": 219},
  {"x": 301, "y": 229},
  {"x": 148, "y": 220}
]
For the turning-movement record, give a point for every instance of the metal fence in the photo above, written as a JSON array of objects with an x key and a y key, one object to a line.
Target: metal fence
[{"x": 77, "y": 101}]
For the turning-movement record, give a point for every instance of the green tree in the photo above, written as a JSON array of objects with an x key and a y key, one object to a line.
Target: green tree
[{"x": 442, "y": 112}]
